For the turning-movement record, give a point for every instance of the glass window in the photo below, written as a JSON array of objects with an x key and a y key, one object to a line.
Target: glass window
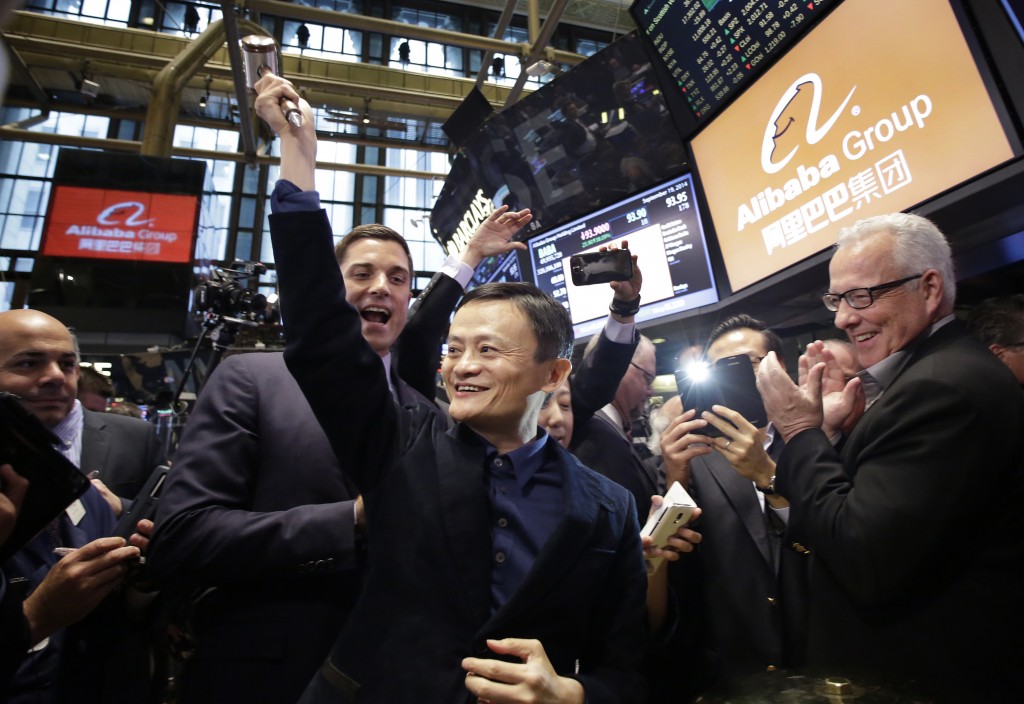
[{"x": 6, "y": 294}]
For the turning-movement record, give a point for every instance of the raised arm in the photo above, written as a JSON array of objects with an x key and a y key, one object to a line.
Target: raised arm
[
  {"x": 419, "y": 345},
  {"x": 339, "y": 373},
  {"x": 598, "y": 375}
]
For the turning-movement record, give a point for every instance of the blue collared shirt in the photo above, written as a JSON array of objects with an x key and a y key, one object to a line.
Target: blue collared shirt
[
  {"x": 69, "y": 432},
  {"x": 526, "y": 497}
]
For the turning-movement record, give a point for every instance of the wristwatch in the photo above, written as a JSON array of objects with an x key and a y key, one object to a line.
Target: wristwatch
[{"x": 767, "y": 490}]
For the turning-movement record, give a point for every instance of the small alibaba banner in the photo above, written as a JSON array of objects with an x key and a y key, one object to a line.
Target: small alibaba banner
[
  {"x": 880, "y": 107},
  {"x": 107, "y": 224}
]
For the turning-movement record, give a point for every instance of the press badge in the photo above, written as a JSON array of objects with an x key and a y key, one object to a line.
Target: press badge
[{"x": 76, "y": 511}]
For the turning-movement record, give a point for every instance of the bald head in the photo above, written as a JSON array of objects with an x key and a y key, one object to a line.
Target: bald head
[{"x": 38, "y": 363}]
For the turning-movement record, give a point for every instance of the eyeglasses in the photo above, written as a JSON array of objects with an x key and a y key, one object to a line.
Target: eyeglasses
[
  {"x": 859, "y": 298},
  {"x": 648, "y": 377}
]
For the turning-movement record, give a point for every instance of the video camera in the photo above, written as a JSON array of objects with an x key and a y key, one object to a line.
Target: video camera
[{"x": 224, "y": 294}]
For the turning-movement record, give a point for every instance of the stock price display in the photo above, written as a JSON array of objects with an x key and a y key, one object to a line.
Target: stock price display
[
  {"x": 663, "y": 229},
  {"x": 710, "y": 47}
]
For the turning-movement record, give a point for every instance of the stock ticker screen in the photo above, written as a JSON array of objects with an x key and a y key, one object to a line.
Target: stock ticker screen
[
  {"x": 710, "y": 48},
  {"x": 663, "y": 228}
]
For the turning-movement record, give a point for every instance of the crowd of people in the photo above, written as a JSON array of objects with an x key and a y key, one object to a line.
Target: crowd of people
[{"x": 329, "y": 533}]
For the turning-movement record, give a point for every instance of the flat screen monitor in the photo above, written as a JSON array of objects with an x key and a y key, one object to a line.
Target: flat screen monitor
[
  {"x": 862, "y": 117},
  {"x": 663, "y": 228},
  {"x": 501, "y": 269},
  {"x": 588, "y": 138},
  {"x": 712, "y": 48},
  {"x": 123, "y": 207}
]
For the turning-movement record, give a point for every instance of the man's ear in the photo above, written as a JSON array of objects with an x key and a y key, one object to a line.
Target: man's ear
[
  {"x": 997, "y": 349},
  {"x": 934, "y": 287},
  {"x": 559, "y": 373}
]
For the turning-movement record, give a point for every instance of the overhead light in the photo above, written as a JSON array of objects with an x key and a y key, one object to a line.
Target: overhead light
[
  {"x": 272, "y": 298},
  {"x": 542, "y": 68},
  {"x": 88, "y": 87},
  {"x": 204, "y": 101}
]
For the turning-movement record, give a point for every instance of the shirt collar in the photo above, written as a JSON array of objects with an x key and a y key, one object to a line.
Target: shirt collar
[
  {"x": 69, "y": 433},
  {"x": 526, "y": 460},
  {"x": 885, "y": 371}
]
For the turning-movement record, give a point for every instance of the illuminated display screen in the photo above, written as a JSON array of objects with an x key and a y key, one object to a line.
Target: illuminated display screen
[
  {"x": 662, "y": 227},
  {"x": 497, "y": 270},
  {"x": 112, "y": 224},
  {"x": 711, "y": 48},
  {"x": 860, "y": 118}
]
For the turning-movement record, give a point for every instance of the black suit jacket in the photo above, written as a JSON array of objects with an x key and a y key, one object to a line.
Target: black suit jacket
[
  {"x": 916, "y": 526},
  {"x": 124, "y": 450},
  {"x": 603, "y": 446},
  {"x": 258, "y": 506},
  {"x": 750, "y": 595},
  {"x": 426, "y": 604}
]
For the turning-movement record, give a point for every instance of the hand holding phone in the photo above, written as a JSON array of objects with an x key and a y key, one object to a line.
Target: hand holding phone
[
  {"x": 591, "y": 268},
  {"x": 675, "y": 512},
  {"x": 729, "y": 382}
]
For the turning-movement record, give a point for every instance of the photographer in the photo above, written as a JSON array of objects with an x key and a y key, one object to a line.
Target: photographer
[{"x": 745, "y": 590}]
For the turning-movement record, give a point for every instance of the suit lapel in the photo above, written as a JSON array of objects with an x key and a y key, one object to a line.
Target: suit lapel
[
  {"x": 741, "y": 495},
  {"x": 464, "y": 510},
  {"x": 648, "y": 476},
  {"x": 563, "y": 549},
  {"x": 95, "y": 442}
]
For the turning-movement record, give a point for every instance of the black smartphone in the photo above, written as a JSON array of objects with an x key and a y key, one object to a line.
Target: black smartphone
[
  {"x": 145, "y": 503},
  {"x": 54, "y": 482},
  {"x": 601, "y": 267},
  {"x": 729, "y": 382}
]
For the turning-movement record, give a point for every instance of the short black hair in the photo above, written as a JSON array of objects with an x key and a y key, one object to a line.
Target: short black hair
[
  {"x": 549, "y": 319},
  {"x": 373, "y": 231},
  {"x": 999, "y": 321},
  {"x": 772, "y": 342}
]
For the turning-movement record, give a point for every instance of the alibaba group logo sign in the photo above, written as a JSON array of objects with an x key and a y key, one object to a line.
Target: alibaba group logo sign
[
  {"x": 128, "y": 213},
  {"x": 783, "y": 127}
]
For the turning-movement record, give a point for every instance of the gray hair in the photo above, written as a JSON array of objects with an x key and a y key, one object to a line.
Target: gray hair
[{"x": 917, "y": 245}]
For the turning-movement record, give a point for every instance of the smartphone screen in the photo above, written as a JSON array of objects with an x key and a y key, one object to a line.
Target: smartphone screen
[
  {"x": 601, "y": 267},
  {"x": 730, "y": 382}
]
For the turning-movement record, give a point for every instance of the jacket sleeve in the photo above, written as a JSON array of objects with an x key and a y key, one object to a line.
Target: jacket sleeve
[
  {"x": 597, "y": 378},
  {"x": 207, "y": 530},
  {"x": 339, "y": 373},
  {"x": 419, "y": 346}
]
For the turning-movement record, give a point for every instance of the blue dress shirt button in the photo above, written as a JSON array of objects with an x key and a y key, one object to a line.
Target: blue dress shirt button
[
  {"x": 499, "y": 557},
  {"x": 502, "y": 522}
]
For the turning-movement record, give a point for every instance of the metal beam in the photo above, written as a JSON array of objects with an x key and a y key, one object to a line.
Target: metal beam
[
  {"x": 246, "y": 121},
  {"x": 123, "y": 145},
  {"x": 499, "y": 31},
  {"x": 540, "y": 48},
  {"x": 400, "y": 29}
]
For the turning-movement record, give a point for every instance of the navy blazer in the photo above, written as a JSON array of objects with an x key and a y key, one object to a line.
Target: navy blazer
[
  {"x": 426, "y": 604},
  {"x": 258, "y": 506},
  {"x": 55, "y": 672},
  {"x": 916, "y": 528}
]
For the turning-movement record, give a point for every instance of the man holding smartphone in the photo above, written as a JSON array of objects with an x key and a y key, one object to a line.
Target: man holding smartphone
[{"x": 749, "y": 586}]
